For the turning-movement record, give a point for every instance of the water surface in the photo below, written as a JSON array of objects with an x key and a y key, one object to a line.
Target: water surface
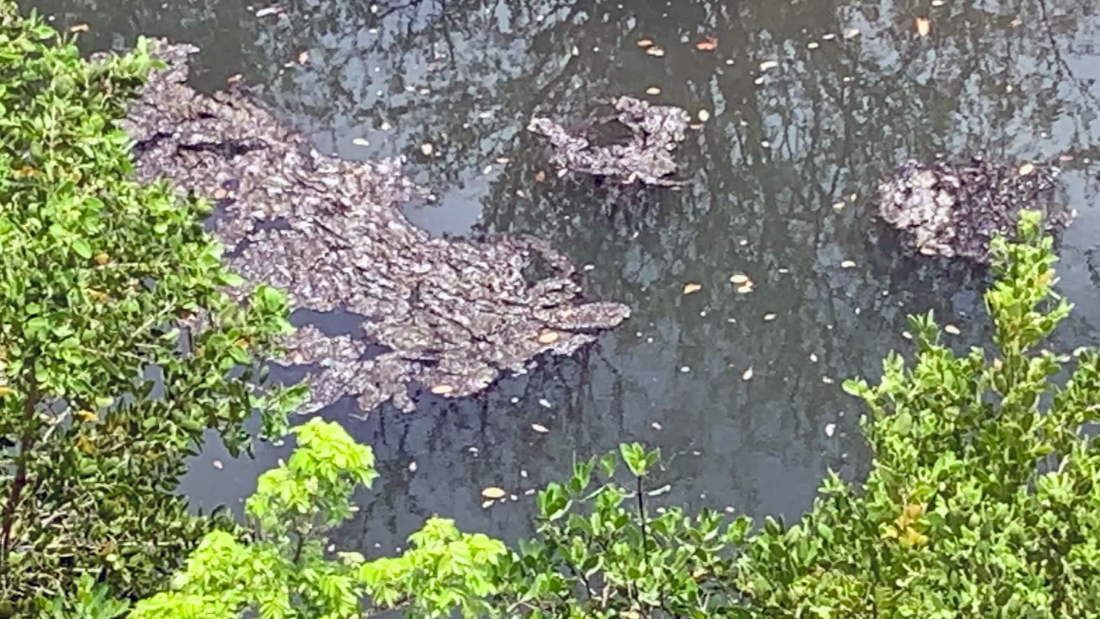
[{"x": 782, "y": 176}]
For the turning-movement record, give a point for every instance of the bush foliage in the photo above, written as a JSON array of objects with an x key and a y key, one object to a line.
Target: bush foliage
[{"x": 104, "y": 389}]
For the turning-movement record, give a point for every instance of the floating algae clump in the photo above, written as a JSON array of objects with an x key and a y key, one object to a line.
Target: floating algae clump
[{"x": 955, "y": 209}]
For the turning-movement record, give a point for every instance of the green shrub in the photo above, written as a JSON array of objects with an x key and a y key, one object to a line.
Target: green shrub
[
  {"x": 104, "y": 389},
  {"x": 984, "y": 495},
  {"x": 284, "y": 571}
]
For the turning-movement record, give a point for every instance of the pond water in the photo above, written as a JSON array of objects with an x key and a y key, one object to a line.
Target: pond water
[{"x": 781, "y": 181}]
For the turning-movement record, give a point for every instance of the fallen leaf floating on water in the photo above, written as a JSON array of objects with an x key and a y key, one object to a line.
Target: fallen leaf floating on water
[
  {"x": 412, "y": 466},
  {"x": 847, "y": 264},
  {"x": 768, "y": 64},
  {"x": 427, "y": 149},
  {"x": 655, "y": 51},
  {"x": 549, "y": 337},
  {"x": 1016, "y": 23},
  {"x": 923, "y": 26},
  {"x": 538, "y": 427},
  {"x": 303, "y": 57},
  {"x": 952, "y": 329},
  {"x": 830, "y": 429},
  {"x": 769, "y": 317},
  {"x": 487, "y": 504},
  {"x": 269, "y": 10},
  {"x": 659, "y": 491},
  {"x": 1026, "y": 169},
  {"x": 540, "y": 176},
  {"x": 442, "y": 389},
  {"x": 938, "y": 2},
  {"x": 653, "y": 91},
  {"x": 692, "y": 287},
  {"x": 218, "y": 464},
  {"x": 851, "y": 33},
  {"x": 575, "y": 51},
  {"x": 739, "y": 279},
  {"x": 645, "y": 42},
  {"x": 748, "y": 374},
  {"x": 745, "y": 288},
  {"x": 707, "y": 45},
  {"x": 79, "y": 28},
  {"x": 703, "y": 116},
  {"x": 813, "y": 45},
  {"x": 493, "y": 493},
  {"x": 360, "y": 142}
]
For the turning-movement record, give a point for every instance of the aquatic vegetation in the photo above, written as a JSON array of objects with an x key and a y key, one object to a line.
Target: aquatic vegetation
[
  {"x": 655, "y": 133},
  {"x": 956, "y": 209},
  {"x": 450, "y": 316}
]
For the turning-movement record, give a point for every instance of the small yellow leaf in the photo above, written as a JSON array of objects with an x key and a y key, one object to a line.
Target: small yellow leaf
[
  {"x": 442, "y": 389},
  {"x": 653, "y": 91},
  {"x": 924, "y": 26},
  {"x": 847, "y": 264},
  {"x": 739, "y": 279},
  {"x": 952, "y": 329},
  {"x": 5, "y": 391},
  {"x": 704, "y": 116},
  {"x": 538, "y": 427},
  {"x": 102, "y": 258},
  {"x": 79, "y": 28},
  {"x": 707, "y": 45},
  {"x": 655, "y": 51},
  {"x": 645, "y": 42},
  {"x": 88, "y": 416},
  {"x": 549, "y": 337},
  {"x": 493, "y": 493},
  {"x": 693, "y": 287},
  {"x": 1026, "y": 169}
]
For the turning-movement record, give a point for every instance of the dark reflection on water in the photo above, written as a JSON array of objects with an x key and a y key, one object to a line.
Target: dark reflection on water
[{"x": 1015, "y": 79}]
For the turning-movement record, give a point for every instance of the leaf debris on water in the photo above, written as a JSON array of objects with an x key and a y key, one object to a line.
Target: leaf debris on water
[
  {"x": 1026, "y": 169},
  {"x": 769, "y": 317},
  {"x": 847, "y": 264},
  {"x": 851, "y": 33},
  {"x": 747, "y": 375},
  {"x": 768, "y": 64},
  {"x": 952, "y": 329},
  {"x": 303, "y": 57},
  {"x": 493, "y": 492},
  {"x": 659, "y": 491},
  {"x": 655, "y": 51},
  {"x": 218, "y": 464},
  {"x": 653, "y": 91},
  {"x": 924, "y": 26},
  {"x": 645, "y": 42},
  {"x": 703, "y": 116},
  {"x": 707, "y": 45},
  {"x": 412, "y": 466},
  {"x": 361, "y": 142},
  {"x": 830, "y": 429},
  {"x": 692, "y": 288},
  {"x": 427, "y": 149},
  {"x": 538, "y": 427},
  {"x": 543, "y": 402},
  {"x": 269, "y": 10},
  {"x": 739, "y": 279},
  {"x": 442, "y": 389}
]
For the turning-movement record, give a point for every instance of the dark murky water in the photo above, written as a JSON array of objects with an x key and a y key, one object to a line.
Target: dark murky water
[{"x": 784, "y": 145}]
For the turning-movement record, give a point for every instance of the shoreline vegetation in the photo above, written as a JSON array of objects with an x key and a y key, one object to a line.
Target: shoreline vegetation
[{"x": 982, "y": 498}]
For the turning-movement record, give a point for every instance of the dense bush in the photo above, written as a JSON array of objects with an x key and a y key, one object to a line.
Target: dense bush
[{"x": 103, "y": 389}]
